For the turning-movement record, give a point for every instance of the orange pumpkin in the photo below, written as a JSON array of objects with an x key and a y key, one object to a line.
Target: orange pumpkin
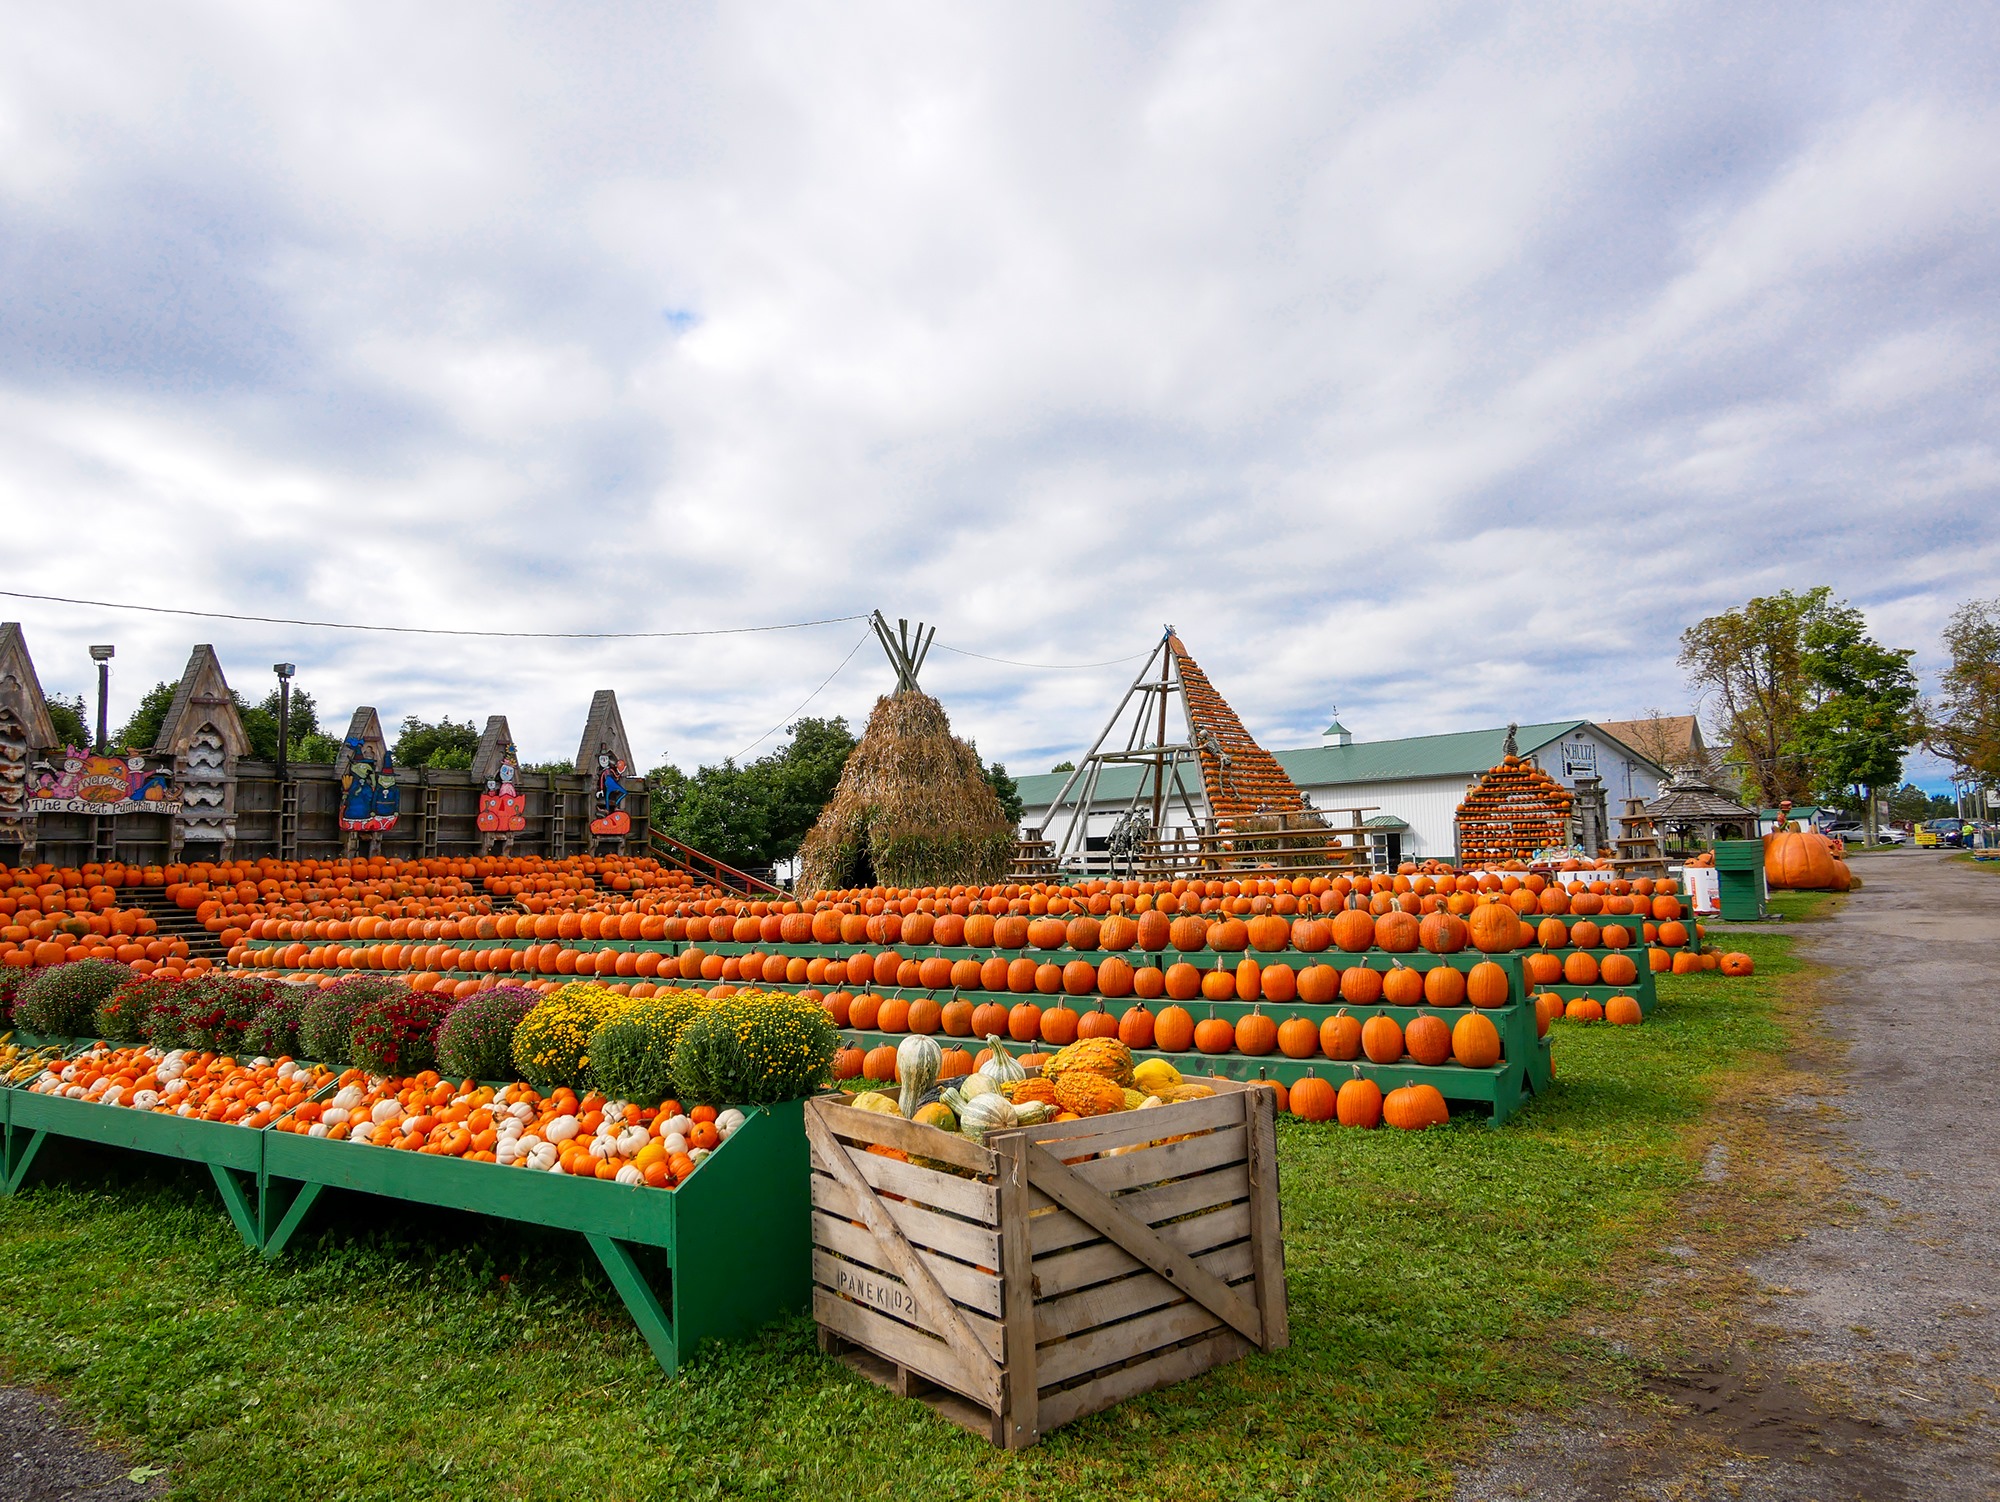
[
  {"x": 1427, "y": 1038},
  {"x": 1173, "y": 1029},
  {"x": 1340, "y": 1036},
  {"x": 1256, "y": 1034},
  {"x": 1359, "y": 1103},
  {"x": 1475, "y": 1041},
  {"x": 1298, "y": 1038},
  {"x": 1312, "y": 1099},
  {"x": 1135, "y": 1026},
  {"x": 1382, "y": 1039},
  {"x": 1414, "y": 1107},
  {"x": 1623, "y": 1011}
]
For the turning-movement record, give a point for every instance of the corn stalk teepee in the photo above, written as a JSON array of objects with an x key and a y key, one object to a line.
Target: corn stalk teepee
[{"x": 913, "y": 807}]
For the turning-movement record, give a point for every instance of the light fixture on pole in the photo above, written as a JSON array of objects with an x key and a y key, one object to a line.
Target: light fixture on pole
[
  {"x": 102, "y": 656},
  {"x": 284, "y": 670}
]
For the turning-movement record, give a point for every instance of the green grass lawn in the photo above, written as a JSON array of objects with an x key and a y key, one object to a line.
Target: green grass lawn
[
  {"x": 1437, "y": 1281},
  {"x": 1796, "y": 907}
]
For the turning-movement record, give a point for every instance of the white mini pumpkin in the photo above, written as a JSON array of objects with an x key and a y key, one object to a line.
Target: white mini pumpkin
[
  {"x": 727, "y": 1123},
  {"x": 563, "y": 1128},
  {"x": 630, "y": 1175},
  {"x": 681, "y": 1124},
  {"x": 630, "y": 1140}
]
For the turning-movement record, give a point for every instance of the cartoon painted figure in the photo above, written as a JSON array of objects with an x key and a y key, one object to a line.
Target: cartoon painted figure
[
  {"x": 611, "y": 816},
  {"x": 143, "y": 784},
  {"x": 502, "y": 809},
  {"x": 369, "y": 801},
  {"x": 66, "y": 785}
]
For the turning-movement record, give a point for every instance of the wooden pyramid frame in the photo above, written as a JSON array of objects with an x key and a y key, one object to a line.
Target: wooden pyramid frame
[{"x": 1205, "y": 746}]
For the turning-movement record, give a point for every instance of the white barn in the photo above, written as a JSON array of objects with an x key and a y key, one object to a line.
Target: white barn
[{"x": 1412, "y": 787}]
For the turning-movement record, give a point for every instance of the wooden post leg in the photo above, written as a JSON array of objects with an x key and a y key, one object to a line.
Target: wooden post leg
[
  {"x": 21, "y": 1157},
  {"x": 287, "y": 1204},
  {"x": 640, "y": 1300},
  {"x": 236, "y": 1200}
]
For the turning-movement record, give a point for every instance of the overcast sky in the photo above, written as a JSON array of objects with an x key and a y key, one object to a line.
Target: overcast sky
[{"x": 1438, "y": 363}]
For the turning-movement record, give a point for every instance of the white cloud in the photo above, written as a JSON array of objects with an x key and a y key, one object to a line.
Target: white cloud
[{"x": 1438, "y": 365}]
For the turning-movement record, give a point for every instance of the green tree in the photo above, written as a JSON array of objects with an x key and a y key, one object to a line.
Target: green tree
[
  {"x": 1963, "y": 725},
  {"x": 445, "y": 745},
  {"x": 67, "y": 716},
  {"x": 260, "y": 723},
  {"x": 1750, "y": 662},
  {"x": 1062, "y": 766},
  {"x": 1007, "y": 790},
  {"x": 758, "y": 814},
  {"x": 1864, "y": 711},
  {"x": 142, "y": 731}
]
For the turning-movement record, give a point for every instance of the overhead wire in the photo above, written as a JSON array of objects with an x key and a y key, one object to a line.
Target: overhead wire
[
  {"x": 1051, "y": 667},
  {"x": 279, "y": 620},
  {"x": 808, "y": 699}
]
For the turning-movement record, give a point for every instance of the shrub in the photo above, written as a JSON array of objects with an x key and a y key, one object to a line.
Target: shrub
[
  {"x": 62, "y": 1000},
  {"x": 327, "y": 1020},
  {"x": 274, "y": 1031},
  {"x": 217, "y": 1010},
  {"x": 476, "y": 1041},
  {"x": 12, "y": 978},
  {"x": 126, "y": 1015},
  {"x": 632, "y": 1055},
  {"x": 396, "y": 1033},
  {"x": 552, "y": 1044},
  {"x": 755, "y": 1047}
]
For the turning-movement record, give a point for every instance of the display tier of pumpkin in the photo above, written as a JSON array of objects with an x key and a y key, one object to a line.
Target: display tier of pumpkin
[{"x": 1093, "y": 1077}]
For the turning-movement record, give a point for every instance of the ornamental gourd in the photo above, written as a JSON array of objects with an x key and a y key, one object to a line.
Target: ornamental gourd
[
  {"x": 987, "y": 1113},
  {"x": 919, "y": 1061},
  {"x": 1002, "y": 1066}
]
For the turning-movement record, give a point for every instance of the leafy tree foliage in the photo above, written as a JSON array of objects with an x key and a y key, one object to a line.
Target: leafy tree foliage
[
  {"x": 1912, "y": 804},
  {"x": 1750, "y": 662},
  {"x": 1062, "y": 766},
  {"x": 67, "y": 716},
  {"x": 1863, "y": 719},
  {"x": 260, "y": 724},
  {"x": 1007, "y": 790},
  {"x": 1963, "y": 726},
  {"x": 445, "y": 745},
  {"x": 754, "y": 815}
]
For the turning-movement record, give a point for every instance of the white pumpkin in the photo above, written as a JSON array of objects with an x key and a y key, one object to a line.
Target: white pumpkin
[
  {"x": 630, "y": 1140},
  {"x": 630, "y": 1175},
  {"x": 315, "y": 1130},
  {"x": 544, "y": 1157},
  {"x": 333, "y": 1116},
  {"x": 602, "y": 1147},
  {"x": 521, "y": 1111},
  {"x": 563, "y": 1128},
  {"x": 114, "y": 1095},
  {"x": 175, "y": 1087},
  {"x": 700, "y": 1155},
  {"x": 386, "y": 1111},
  {"x": 674, "y": 1142},
  {"x": 364, "y": 1133},
  {"x": 681, "y": 1124},
  {"x": 145, "y": 1100},
  {"x": 727, "y": 1123}
]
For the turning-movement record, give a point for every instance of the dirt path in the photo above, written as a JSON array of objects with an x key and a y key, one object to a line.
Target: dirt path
[
  {"x": 46, "y": 1457},
  {"x": 1867, "y": 1360}
]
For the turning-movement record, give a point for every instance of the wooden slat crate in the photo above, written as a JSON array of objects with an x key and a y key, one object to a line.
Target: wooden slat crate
[{"x": 1056, "y": 1270}]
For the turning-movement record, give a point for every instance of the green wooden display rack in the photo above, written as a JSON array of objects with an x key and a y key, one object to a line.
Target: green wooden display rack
[
  {"x": 1523, "y": 1071},
  {"x": 716, "y": 1258}
]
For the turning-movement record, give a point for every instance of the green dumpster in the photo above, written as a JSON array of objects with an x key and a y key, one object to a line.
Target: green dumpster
[{"x": 1739, "y": 872}]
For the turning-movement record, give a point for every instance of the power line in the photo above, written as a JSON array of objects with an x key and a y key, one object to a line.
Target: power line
[
  {"x": 278, "y": 620},
  {"x": 808, "y": 699},
  {"x": 1053, "y": 667}
]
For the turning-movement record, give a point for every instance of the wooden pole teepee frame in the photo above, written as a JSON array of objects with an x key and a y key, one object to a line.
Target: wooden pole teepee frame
[
  {"x": 1146, "y": 746},
  {"x": 906, "y": 651}
]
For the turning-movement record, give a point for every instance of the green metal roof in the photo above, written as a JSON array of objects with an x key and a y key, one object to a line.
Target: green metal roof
[
  {"x": 1385, "y": 821},
  {"x": 1464, "y": 753}
]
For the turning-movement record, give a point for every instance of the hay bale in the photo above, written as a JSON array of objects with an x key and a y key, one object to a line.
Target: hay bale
[{"x": 912, "y": 808}]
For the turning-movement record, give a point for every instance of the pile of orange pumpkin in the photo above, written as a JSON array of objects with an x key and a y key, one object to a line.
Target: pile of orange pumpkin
[
  {"x": 516, "y": 1126},
  {"x": 49, "y": 915},
  {"x": 200, "y": 1086}
]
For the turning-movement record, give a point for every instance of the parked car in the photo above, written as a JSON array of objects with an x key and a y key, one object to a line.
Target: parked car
[
  {"x": 1850, "y": 830},
  {"x": 1887, "y": 836}
]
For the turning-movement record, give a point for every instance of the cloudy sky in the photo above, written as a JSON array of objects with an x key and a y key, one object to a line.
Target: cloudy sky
[{"x": 1438, "y": 363}]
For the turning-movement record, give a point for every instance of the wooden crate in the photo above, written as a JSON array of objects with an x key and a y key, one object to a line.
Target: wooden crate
[{"x": 1062, "y": 1269}]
